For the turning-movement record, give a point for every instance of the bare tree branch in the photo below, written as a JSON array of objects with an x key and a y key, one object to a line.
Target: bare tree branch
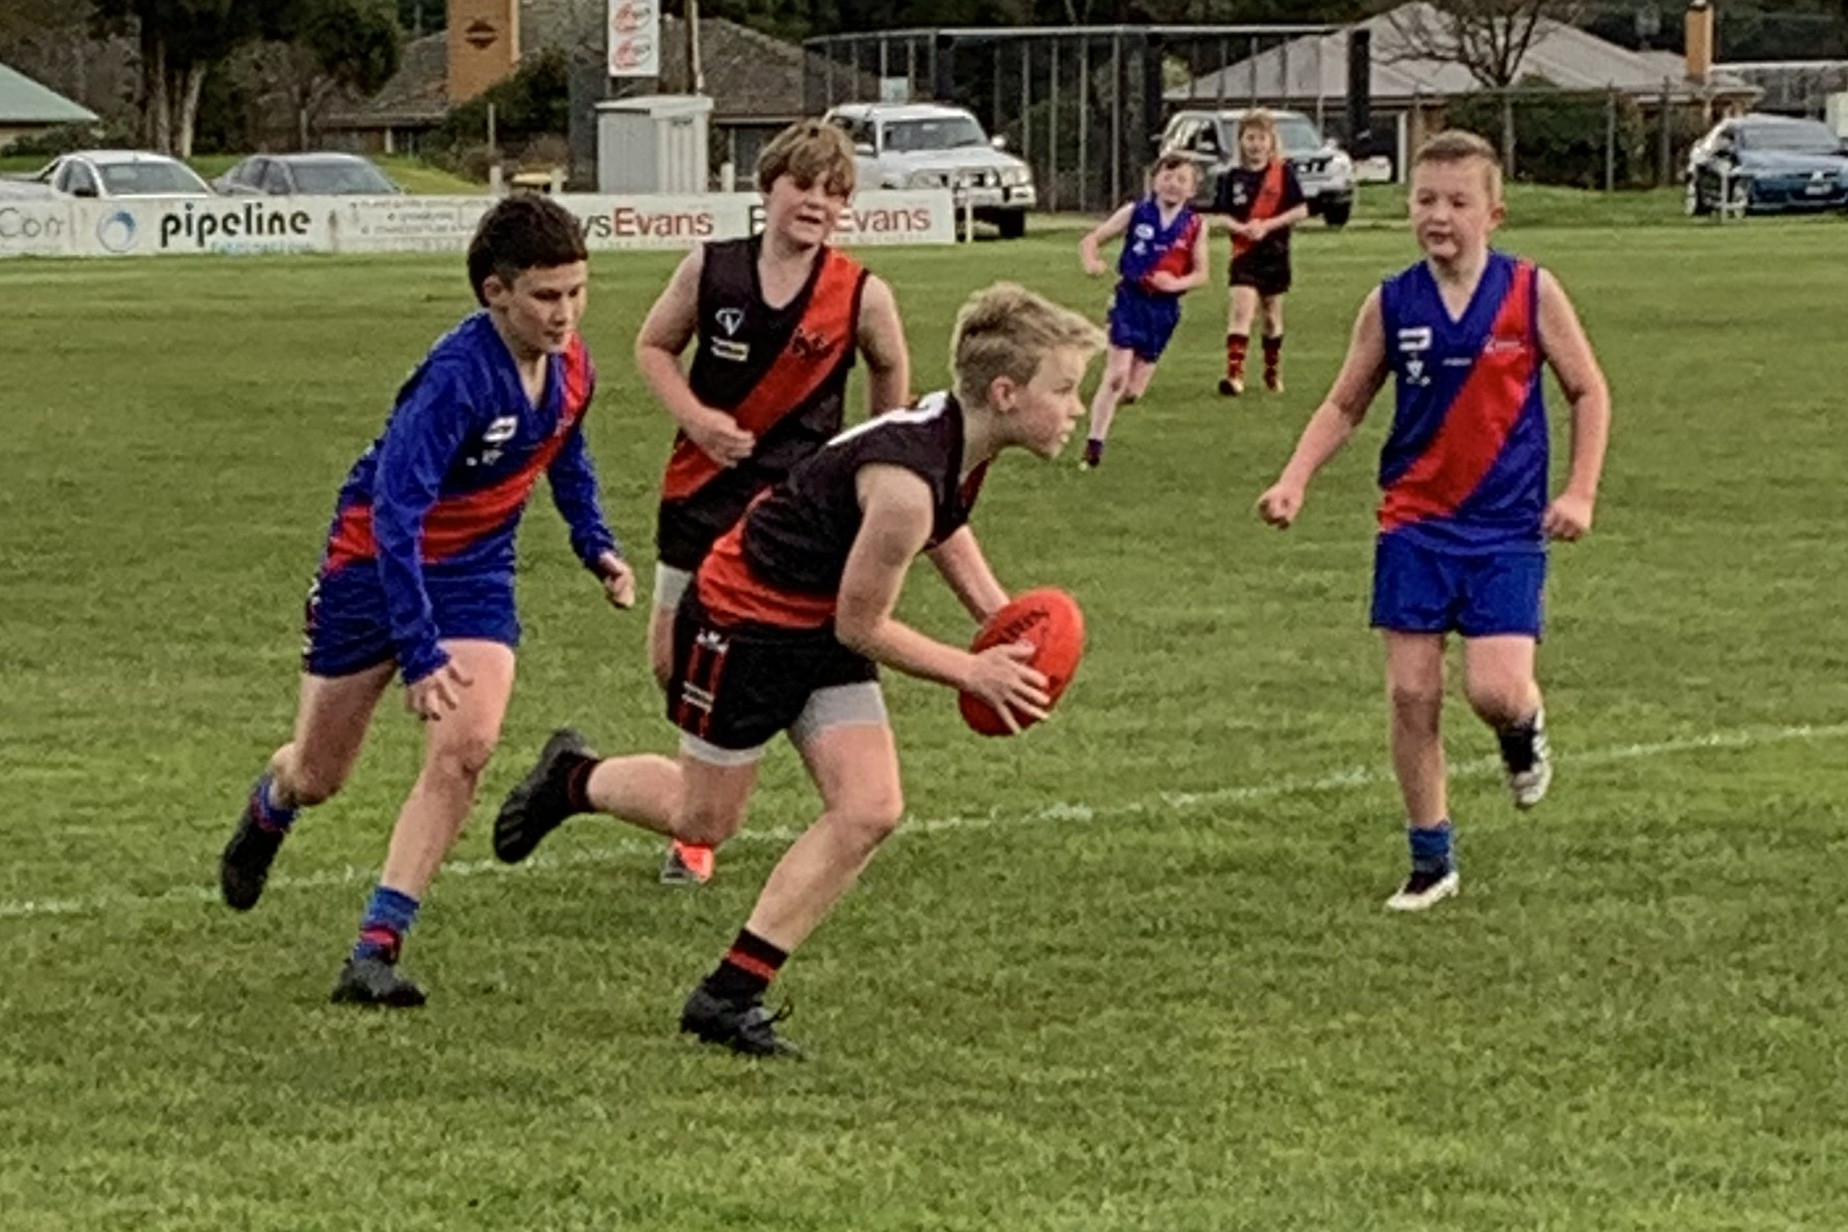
[{"x": 1487, "y": 38}]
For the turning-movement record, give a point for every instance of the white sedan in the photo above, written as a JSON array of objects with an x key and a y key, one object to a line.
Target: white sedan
[{"x": 110, "y": 175}]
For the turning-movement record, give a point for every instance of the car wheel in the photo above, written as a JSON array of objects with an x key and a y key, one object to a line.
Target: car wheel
[
  {"x": 1338, "y": 213},
  {"x": 1692, "y": 204},
  {"x": 1013, "y": 224}
]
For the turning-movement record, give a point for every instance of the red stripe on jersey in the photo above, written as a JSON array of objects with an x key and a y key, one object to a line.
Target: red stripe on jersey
[
  {"x": 732, "y": 594},
  {"x": 822, "y": 341},
  {"x": 1179, "y": 259},
  {"x": 1270, "y": 196},
  {"x": 1477, "y": 425},
  {"x": 455, "y": 522}
]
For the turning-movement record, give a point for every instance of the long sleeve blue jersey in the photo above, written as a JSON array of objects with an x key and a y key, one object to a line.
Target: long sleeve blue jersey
[{"x": 440, "y": 493}]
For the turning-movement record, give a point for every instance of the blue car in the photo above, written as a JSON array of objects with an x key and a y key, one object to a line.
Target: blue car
[{"x": 1765, "y": 164}]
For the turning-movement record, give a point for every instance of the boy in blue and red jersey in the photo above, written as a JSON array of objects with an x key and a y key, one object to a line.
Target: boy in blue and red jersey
[
  {"x": 1165, "y": 255},
  {"x": 1465, "y": 517},
  {"x": 417, "y": 576}
]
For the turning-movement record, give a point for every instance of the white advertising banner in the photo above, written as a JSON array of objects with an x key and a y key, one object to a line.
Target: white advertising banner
[
  {"x": 406, "y": 224},
  {"x": 223, "y": 226},
  {"x": 659, "y": 221},
  {"x": 176, "y": 226},
  {"x": 923, "y": 216},
  {"x": 888, "y": 216},
  {"x": 635, "y": 38},
  {"x": 37, "y": 229}
]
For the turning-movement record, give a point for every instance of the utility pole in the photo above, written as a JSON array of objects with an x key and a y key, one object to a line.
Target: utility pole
[{"x": 696, "y": 73}]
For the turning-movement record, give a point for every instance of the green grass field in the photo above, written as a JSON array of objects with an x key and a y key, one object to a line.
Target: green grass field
[{"x": 1128, "y": 972}]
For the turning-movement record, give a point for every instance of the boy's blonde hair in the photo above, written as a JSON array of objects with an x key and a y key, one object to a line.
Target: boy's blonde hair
[
  {"x": 1260, "y": 120},
  {"x": 1454, "y": 146},
  {"x": 1006, "y": 330},
  {"x": 810, "y": 152}
]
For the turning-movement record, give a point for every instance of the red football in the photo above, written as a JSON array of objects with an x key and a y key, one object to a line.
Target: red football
[{"x": 1050, "y": 620}]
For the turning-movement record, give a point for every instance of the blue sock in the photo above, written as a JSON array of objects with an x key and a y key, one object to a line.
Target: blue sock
[
  {"x": 264, "y": 808},
  {"x": 389, "y": 915},
  {"x": 1431, "y": 850}
]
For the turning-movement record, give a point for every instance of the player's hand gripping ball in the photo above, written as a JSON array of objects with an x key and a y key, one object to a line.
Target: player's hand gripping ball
[{"x": 1049, "y": 620}]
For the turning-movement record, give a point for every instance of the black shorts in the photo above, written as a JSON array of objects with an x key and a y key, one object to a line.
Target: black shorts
[
  {"x": 1264, "y": 270},
  {"x": 734, "y": 689}
]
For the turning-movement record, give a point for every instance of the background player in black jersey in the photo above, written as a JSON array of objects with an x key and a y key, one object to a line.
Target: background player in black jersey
[
  {"x": 788, "y": 617},
  {"x": 779, "y": 318},
  {"x": 1261, "y": 199}
]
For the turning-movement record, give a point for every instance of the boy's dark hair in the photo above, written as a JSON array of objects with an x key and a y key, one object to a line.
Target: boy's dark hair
[{"x": 522, "y": 232}]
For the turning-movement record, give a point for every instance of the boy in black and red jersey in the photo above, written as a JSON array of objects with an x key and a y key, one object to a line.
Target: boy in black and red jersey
[
  {"x": 778, "y": 318},
  {"x": 786, "y": 621}
]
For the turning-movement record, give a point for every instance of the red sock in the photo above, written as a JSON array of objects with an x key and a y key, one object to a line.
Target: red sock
[
  {"x": 1273, "y": 354},
  {"x": 1235, "y": 355}
]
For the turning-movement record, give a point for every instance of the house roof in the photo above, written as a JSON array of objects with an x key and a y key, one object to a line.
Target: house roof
[
  {"x": 750, "y": 76},
  {"x": 25, "y": 101},
  {"x": 1571, "y": 58}
]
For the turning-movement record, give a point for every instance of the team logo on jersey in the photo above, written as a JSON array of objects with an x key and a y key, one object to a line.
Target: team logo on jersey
[
  {"x": 1413, "y": 343},
  {"x": 1144, "y": 231},
  {"x": 804, "y": 345},
  {"x": 501, "y": 430},
  {"x": 731, "y": 320}
]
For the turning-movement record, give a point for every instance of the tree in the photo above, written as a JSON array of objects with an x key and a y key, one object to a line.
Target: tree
[
  {"x": 1487, "y": 38},
  {"x": 182, "y": 40}
]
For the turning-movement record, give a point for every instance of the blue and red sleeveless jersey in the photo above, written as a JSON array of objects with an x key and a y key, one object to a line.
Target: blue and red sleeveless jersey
[
  {"x": 1149, "y": 247},
  {"x": 1464, "y": 468},
  {"x": 440, "y": 493}
]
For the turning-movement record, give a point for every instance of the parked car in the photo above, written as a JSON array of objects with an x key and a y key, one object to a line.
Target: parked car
[
  {"x": 928, "y": 145},
  {"x": 1210, "y": 138},
  {"x": 1763, "y": 164},
  {"x": 110, "y": 175},
  {"x": 305, "y": 175}
]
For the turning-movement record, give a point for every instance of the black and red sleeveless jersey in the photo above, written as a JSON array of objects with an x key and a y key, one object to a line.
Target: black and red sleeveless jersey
[
  {"x": 780, "y": 372},
  {"x": 781, "y": 564}
]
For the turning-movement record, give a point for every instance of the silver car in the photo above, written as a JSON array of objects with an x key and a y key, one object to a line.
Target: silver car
[
  {"x": 1325, "y": 171},
  {"x": 110, "y": 175},
  {"x": 928, "y": 145},
  {"x": 306, "y": 175}
]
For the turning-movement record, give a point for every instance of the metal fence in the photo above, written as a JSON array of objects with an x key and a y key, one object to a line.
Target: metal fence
[{"x": 1084, "y": 105}]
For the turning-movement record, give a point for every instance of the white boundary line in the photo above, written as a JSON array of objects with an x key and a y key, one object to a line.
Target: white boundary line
[{"x": 1164, "y": 802}]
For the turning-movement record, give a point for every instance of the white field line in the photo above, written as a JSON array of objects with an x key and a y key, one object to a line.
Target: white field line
[{"x": 1163, "y": 802}]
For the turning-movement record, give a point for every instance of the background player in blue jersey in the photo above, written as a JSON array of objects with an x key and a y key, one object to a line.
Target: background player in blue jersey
[
  {"x": 1165, "y": 254},
  {"x": 1465, "y": 518},
  {"x": 417, "y": 576}
]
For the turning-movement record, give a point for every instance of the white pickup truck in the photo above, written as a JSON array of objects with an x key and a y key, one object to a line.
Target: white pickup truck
[{"x": 928, "y": 145}]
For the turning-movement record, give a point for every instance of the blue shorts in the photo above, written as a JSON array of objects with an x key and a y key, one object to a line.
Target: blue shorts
[
  {"x": 1419, "y": 590},
  {"x": 1143, "y": 323},
  {"x": 347, "y": 628}
]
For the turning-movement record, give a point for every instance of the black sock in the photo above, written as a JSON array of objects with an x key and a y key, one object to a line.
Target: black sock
[
  {"x": 1517, "y": 745},
  {"x": 747, "y": 968},
  {"x": 575, "y": 769}
]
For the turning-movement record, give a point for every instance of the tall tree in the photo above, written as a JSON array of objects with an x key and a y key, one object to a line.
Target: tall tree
[
  {"x": 182, "y": 40},
  {"x": 1489, "y": 38}
]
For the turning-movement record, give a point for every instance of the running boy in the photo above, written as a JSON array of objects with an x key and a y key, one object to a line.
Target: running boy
[
  {"x": 1261, "y": 200},
  {"x": 1465, "y": 519},
  {"x": 417, "y": 576},
  {"x": 1165, "y": 254},
  {"x": 790, "y": 616},
  {"x": 778, "y": 318}
]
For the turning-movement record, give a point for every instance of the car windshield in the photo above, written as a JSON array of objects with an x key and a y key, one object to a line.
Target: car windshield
[
  {"x": 330, "y": 178},
  {"x": 1298, "y": 135},
  {"x": 149, "y": 178},
  {"x": 948, "y": 133},
  {"x": 1793, "y": 138}
]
